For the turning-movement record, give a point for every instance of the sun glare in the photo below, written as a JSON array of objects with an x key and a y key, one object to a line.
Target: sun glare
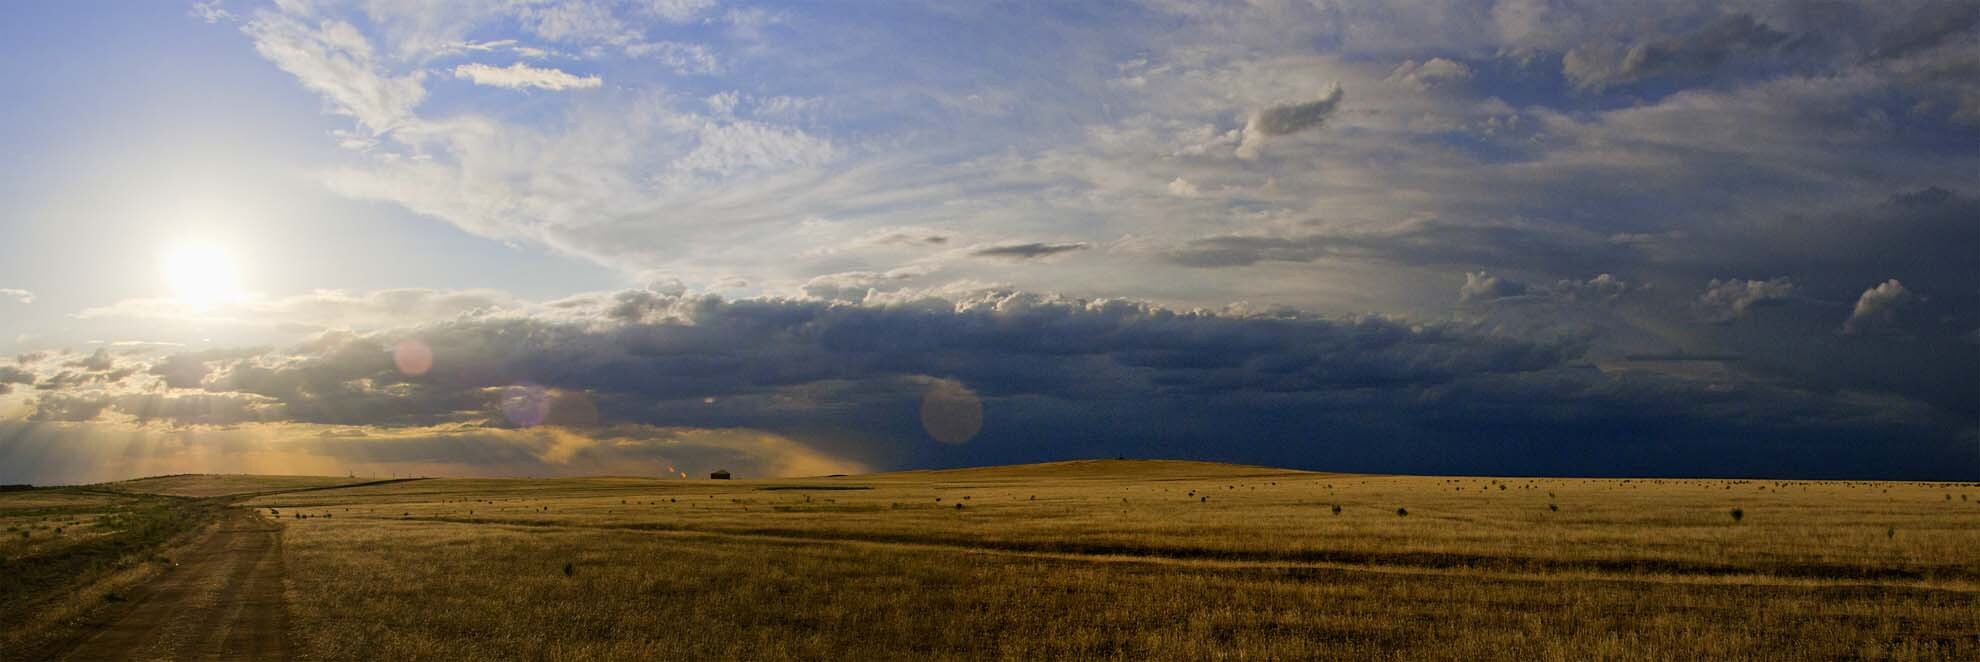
[{"x": 201, "y": 274}]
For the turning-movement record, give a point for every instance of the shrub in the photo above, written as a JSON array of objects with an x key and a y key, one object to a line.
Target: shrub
[
  {"x": 1738, "y": 514},
  {"x": 1402, "y": 512},
  {"x": 1553, "y": 508},
  {"x": 569, "y": 569},
  {"x": 1337, "y": 509}
]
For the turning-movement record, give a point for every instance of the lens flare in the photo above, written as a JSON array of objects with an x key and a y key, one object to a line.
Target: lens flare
[
  {"x": 526, "y": 405},
  {"x": 412, "y": 357},
  {"x": 950, "y": 412}
]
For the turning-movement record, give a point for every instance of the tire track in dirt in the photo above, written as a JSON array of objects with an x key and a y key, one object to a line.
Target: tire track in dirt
[{"x": 223, "y": 602}]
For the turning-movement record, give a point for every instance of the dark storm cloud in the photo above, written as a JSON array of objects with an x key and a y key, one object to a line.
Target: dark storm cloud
[
  {"x": 1925, "y": 238},
  {"x": 1293, "y": 118},
  {"x": 189, "y": 369},
  {"x": 910, "y": 239},
  {"x": 10, "y": 375},
  {"x": 70, "y": 379},
  {"x": 146, "y": 407},
  {"x": 1062, "y": 378},
  {"x": 1701, "y": 50},
  {"x": 1027, "y": 251},
  {"x": 1927, "y": 28},
  {"x": 1287, "y": 119},
  {"x": 1686, "y": 55},
  {"x": 97, "y": 361}
]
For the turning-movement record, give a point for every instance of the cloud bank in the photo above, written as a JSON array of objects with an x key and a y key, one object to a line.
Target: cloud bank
[{"x": 814, "y": 385}]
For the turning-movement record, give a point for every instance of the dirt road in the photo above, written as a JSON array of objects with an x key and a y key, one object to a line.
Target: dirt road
[{"x": 223, "y": 602}]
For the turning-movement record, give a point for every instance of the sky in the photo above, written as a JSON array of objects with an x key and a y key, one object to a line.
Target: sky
[{"x": 662, "y": 237}]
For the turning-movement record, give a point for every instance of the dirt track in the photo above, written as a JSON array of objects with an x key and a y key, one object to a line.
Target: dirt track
[{"x": 223, "y": 602}]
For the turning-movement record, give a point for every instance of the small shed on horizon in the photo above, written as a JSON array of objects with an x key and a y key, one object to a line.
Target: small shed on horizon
[{"x": 720, "y": 474}]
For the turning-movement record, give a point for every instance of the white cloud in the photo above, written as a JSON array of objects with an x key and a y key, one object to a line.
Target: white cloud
[
  {"x": 210, "y": 11},
  {"x": 856, "y": 286},
  {"x": 1726, "y": 300},
  {"x": 727, "y": 149},
  {"x": 1878, "y": 307},
  {"x": 577, "y": 22},
  {"x": 326, "y": 309},
  {"x": 1603, "y": 287},
  {"x": 519, "y": 76},
  {"x": 685, "y": 59},
  {"x": 677, "y": 11},
  {"x": 1183, "y": 188},
  {"x": 1481, "y": 286},
  {"x": 20, "y": 295},
  {"x": 335, "y": 60},
  {"x": 786, "y": 107},
  {"x": 1430, "y": 73},
  {"x": 723, "y": 104},
  {"x": 494, "y": 46}
]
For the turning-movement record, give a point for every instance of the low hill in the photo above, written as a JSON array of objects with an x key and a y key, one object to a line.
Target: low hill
[
  {"x": 1096, "y": 469},
  {"x": 210, "y": 485}
]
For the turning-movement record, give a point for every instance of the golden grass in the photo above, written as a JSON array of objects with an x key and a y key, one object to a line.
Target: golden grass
[{"x": 1128, "y": 560}]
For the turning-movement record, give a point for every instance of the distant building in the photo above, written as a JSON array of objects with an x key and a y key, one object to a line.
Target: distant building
[{"x": 720, "y": 474}]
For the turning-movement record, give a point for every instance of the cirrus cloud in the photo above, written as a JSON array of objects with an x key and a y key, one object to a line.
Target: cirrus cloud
[{"x": 522, "y": 76}]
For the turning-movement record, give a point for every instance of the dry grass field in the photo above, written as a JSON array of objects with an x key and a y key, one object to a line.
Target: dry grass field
[
  {"x": 1126, "y": 560},
  {"x": 1134, "y": 560}
]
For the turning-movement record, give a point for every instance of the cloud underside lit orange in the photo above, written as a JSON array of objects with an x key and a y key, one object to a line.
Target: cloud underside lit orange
[{"x": 95, "y": 451}]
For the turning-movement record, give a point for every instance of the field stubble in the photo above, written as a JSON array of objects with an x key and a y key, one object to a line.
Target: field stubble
[{"x": 1131, "y": 560}]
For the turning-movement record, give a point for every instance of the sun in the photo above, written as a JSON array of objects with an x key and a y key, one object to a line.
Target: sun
[{"x": 201, "y": 274}]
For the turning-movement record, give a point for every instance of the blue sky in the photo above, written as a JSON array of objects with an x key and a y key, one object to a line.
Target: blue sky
[{"x": 1516, "y": 236}]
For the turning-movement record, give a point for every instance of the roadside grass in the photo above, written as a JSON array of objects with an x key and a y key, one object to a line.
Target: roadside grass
[{"x": 82, "y": 552}]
